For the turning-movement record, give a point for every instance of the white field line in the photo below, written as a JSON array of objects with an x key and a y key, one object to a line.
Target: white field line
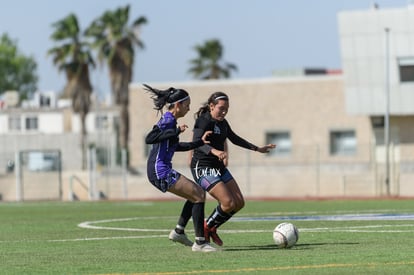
[
  {"x": 368, "y": 228},
  {"x": 380, "y": 228},
  {"x": 109, "y": 238},
  {"x": 87, "y": 239}
]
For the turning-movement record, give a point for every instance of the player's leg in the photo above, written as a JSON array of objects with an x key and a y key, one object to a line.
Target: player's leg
[
  {"x": 178, "y": 234},
  {"x": 195, "y": 194},
  {"x": 221, "y": 213},
  {"x": 219, "y": 216},
  {"x": 230, "y": 199},
  {"x": 186, "y": 211},
  {"x": 238, "y": 198}
]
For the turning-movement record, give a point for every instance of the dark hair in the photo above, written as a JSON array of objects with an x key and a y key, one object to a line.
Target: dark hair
[
  {"x": 214, "y": 98},
  {"x": 168, "y": 96}
]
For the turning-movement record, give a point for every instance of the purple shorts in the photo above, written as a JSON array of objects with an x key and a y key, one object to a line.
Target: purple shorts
[{"x": 165, "y": 183}]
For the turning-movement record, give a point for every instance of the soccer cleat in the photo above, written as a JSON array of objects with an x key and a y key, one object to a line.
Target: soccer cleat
[
  {"x": 215, "y": 237},
  {"x": 205, "y": 247},
  {"x": 206, "y": 232},
  {"x": 179, "y": 238}
]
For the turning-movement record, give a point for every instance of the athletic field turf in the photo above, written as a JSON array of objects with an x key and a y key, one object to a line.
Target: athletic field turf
[{"x": 336, "y": 237}]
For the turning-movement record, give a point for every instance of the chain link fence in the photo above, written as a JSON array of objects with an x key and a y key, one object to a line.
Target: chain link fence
[{"x": 39, "y": 169}]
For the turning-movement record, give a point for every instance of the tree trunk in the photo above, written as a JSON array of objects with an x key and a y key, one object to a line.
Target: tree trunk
[
  {"x": 83, "y": 142},
  {"x": 120, "y": 87},
  {"x": 124, "y": 126}
]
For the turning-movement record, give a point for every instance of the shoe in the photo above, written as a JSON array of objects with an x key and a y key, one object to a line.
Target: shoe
[
  {"x": 215, "y": 237},
  {"x": 179, "y": 238},
  {"x": 205, "y": 247},
  {"x": 206, "y": 232}
]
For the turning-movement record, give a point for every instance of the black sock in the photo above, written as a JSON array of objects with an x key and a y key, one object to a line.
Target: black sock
[
  {"x": 185, "y": 216},
  {"x": 218, "y": 217},
  {"x": 198, "y": 220}
]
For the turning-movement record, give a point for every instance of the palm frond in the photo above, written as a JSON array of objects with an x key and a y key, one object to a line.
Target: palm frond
[{"x": 207, "y": 65}]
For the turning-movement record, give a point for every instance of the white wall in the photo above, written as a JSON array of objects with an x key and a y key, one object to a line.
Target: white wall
[
  {"x": 3, "y": 124},
  {"x": 90, "y": 121},
  {"x": 363, "y": 54},
  {"x": 50, "y": 123}
]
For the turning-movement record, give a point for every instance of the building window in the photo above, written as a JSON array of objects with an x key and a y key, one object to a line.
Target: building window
[
  {"x": 343, "y": 142},
  {"x": 15, "y": 123},
  {"x": 44, "y": 101},
  {"x": 101, "y": 122},
  {"x": 283, "y": 142},
  {"x": 31, "y": 123},
  {"x": 406, "y": 67},
  {"x": 378, "y": 122},
  {"x": 116, "y": 121}
]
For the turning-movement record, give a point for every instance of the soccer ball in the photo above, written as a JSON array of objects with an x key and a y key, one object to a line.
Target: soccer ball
[{"x": 285, "y": 235}]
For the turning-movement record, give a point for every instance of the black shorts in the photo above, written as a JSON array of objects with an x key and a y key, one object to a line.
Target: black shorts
[{"x": 207, "y": 177}]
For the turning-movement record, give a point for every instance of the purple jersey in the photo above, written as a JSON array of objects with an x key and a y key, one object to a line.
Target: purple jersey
[{"x": 164, "y": 140}]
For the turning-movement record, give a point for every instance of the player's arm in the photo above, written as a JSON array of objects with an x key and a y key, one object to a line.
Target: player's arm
[
  {"x": 187, "y": 146},
  {"x": 157, "y": 135},
  {"x": 239, "y": 141},
  {"x": 200, "y": 128},
  {"x": 226, "y": 149}
]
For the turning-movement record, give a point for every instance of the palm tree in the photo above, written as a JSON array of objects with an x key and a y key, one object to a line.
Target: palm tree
[
  {"x": 73, "y": 57},
  {"x": 115, "y": 41},
  {"x": 207, "y": 64}
]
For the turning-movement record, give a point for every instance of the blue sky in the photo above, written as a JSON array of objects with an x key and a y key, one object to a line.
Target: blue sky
[{"x": 258, "y": 36}]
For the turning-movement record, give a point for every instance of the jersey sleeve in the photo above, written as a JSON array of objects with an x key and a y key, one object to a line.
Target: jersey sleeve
[
  {"x": 187, "y": 146},
  {"x": 157, "y": 135},
  {"x": 200, "y": 127},
  {"x": 239, "y": 141}
]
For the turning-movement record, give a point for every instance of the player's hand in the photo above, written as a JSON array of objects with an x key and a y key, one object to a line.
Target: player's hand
[
  {"x": 183, "y": 127},
  {"x": 266, "y": 148},
  {"x": 205, "y": 136},
  {"x": 222, "y": 155}
]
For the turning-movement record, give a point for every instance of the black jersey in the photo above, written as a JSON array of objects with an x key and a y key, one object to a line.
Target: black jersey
[{"x": 221, "y": 130}]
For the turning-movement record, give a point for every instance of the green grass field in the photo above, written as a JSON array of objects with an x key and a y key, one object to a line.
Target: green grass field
[{"x": 336, "y": 237}]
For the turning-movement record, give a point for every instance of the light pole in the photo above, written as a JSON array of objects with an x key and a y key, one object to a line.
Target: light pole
[{"x": 387, "y": 110}]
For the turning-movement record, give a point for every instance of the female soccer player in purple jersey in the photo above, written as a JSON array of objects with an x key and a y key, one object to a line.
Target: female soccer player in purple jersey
[
  {"x": 208, "y": 163},
  {"x": 165, "y": 141}
]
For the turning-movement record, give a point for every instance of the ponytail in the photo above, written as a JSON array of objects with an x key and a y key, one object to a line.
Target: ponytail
[{"x": 169, "y": 96}]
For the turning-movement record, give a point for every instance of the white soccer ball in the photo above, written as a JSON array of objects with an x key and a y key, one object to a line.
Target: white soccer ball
[{"x": 285, "y": 235}]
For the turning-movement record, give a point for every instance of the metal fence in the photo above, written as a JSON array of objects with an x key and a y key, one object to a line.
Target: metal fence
[{"x": 307, "y": 171}]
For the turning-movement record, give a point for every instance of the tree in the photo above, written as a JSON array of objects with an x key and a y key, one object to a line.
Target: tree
[
  {"x": 115, "y": 41},
  {"x": 17, "y": 72},
  {"x": 74, "y": 58},
  {"x": 207, "y": 64}
]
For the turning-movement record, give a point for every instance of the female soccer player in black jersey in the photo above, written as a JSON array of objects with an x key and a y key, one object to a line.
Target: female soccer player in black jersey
[
  {"x": 164, "y": 137},
  {"x": 208, "y": 163}
]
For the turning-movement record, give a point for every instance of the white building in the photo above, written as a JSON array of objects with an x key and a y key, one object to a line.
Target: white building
[
  {"x": 378, "y": 46},
  {"x": 42, "y": 125}
]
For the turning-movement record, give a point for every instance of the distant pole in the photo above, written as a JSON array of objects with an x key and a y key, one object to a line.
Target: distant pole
[
  {"x": 18, "y": 173},
  {"x": 387, "y": 110},
  {"x": 124, "y": 171}
]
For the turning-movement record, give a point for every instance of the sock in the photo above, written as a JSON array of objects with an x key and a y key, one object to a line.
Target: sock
[
  {"x": 218, "y": 217},
  {"x": 185, "y": 216},
  {"x": 198, "y": 220},
  {"x": 200, "y": 240},
  {"x": 179, "y": 229}
]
